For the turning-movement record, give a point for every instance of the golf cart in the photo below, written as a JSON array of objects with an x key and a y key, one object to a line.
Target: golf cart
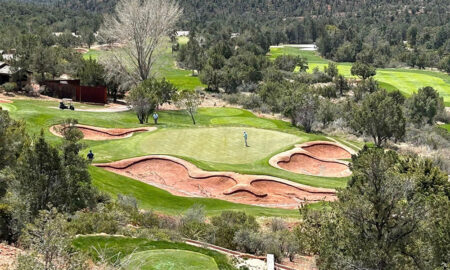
[{"x": 66, "y": 103}]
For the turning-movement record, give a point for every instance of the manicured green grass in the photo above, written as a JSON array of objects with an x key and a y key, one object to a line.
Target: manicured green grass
[
  {"x": 93, "y": 54},
  {"x": 117, "y": 247},
  {"x": 170, "y": 259},
  {"x": 446, "y": 127},
  {"x": 407, "y": 81},
  {"x": 213, "y": 144}
]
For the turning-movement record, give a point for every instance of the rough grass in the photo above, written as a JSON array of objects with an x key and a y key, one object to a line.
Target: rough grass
[
  {"x": 407, "y": 81},
  {"x": 117, "y": 247}
]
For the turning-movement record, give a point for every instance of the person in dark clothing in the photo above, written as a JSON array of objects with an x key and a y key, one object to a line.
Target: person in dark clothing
[
  {"x": 62, "y": 106},
  {"x": 90, "y": 155}
]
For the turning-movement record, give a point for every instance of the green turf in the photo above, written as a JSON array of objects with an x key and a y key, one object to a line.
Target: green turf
[
  {"x": 93, "y": 54},
  {"x": 407, "y": 81},
  {"x": 121, "y": 247},
  {"x": 213, "y": 144},
  {"x": 170, "y": 259},
  {"x": 445, "y": 126}
]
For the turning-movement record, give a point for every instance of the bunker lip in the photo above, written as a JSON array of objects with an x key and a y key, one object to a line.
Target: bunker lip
[
  {"x": 183, "y": 178},
  {"x": 318, "y": 158},
  {"x": 99, "y": 134}
]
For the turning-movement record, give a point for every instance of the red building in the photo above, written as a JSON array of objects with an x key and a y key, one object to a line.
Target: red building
[{"x": 73, "y": 90}]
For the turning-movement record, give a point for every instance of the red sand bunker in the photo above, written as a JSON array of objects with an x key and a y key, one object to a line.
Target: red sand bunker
[
  {"x": 5, "y": 101},
  {"x": 319, "y": 158},
  {"x": 329, "y": 151},
  {"x": 182, "y": 178},
  {"x": 305, "y": 164},
  {"x": 100, "y": 134}
]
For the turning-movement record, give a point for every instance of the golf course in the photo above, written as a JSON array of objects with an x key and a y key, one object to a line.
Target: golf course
[
  {"x": 405, "y": 80},
  {"x": 214, "y": 144}
]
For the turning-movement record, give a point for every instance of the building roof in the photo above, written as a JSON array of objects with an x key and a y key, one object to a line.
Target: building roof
[
  {"x": 5, "y": 69},
  {"x": 8, "y": 56}
]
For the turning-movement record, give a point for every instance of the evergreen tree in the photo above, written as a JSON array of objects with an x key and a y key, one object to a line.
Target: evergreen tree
[{"x": 380, "y": 117}]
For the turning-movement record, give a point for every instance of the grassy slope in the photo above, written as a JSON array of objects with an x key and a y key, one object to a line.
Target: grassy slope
[
  {"x": 405, "y": 80},
  {"x": 124, "y": 246}
]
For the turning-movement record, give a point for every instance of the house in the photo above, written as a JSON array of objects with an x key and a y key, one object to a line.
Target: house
[{"x": 6, "y": 73}]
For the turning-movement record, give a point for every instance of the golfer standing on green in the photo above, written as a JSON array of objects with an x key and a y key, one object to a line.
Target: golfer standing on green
[{"x": 245, "y": 138}]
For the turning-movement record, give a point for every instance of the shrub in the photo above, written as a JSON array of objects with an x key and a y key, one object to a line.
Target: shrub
[
  {"x": 326, "y": 112},
  {"x": 424, "y": 106},
  {"x": 228, "y": 223},
  {"x": 251, "y": 101},
  {"x": 277, "y": 224},
  {"x": 232, "y": 98},
  {"x": 327, "y": 91},
  {"x": 9, "y": 87}
]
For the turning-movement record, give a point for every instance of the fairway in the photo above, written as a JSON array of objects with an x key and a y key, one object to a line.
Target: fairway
[
  {"x": 170, "y": 259},
  {"x": 219, "y": 144},
  {"x": 407, "y": 81}
]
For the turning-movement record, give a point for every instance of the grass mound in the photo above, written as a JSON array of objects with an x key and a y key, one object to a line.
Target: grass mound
[
  {"x": 170, "y": 259},
  {"x": 117, "y": 247}
]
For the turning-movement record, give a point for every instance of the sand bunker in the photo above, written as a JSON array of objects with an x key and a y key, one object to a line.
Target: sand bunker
[
  {"x": 319, "y": 158},
  {"x": 182, "y": 178},
  {"x": 5, "y": 101},
  {"x": 100, "y": 134}
]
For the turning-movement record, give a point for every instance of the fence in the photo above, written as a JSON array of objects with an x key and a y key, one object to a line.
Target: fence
[{"x": 73, "y": 90}]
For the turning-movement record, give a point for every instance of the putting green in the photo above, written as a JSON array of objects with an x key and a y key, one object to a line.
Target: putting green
[
  {"x": 210, "y": 144},
  {"x": 170, "y": 259}
]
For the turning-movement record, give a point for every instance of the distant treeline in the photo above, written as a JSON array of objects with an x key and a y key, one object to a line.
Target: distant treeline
[{"x": 379, "y": 32}]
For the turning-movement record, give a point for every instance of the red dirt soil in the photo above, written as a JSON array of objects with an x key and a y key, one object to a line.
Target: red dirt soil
[
  {"x": 100, "y": 134},
  {"x": 305, "y": 164},
  {"x": 319, "y": 158},
  {"x": 182, "y": 178}
]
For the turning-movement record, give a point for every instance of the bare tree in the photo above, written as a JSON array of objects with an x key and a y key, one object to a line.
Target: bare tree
[
  {"x": 141, "y": 27},
  {"x": 189, "y": 100}
]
